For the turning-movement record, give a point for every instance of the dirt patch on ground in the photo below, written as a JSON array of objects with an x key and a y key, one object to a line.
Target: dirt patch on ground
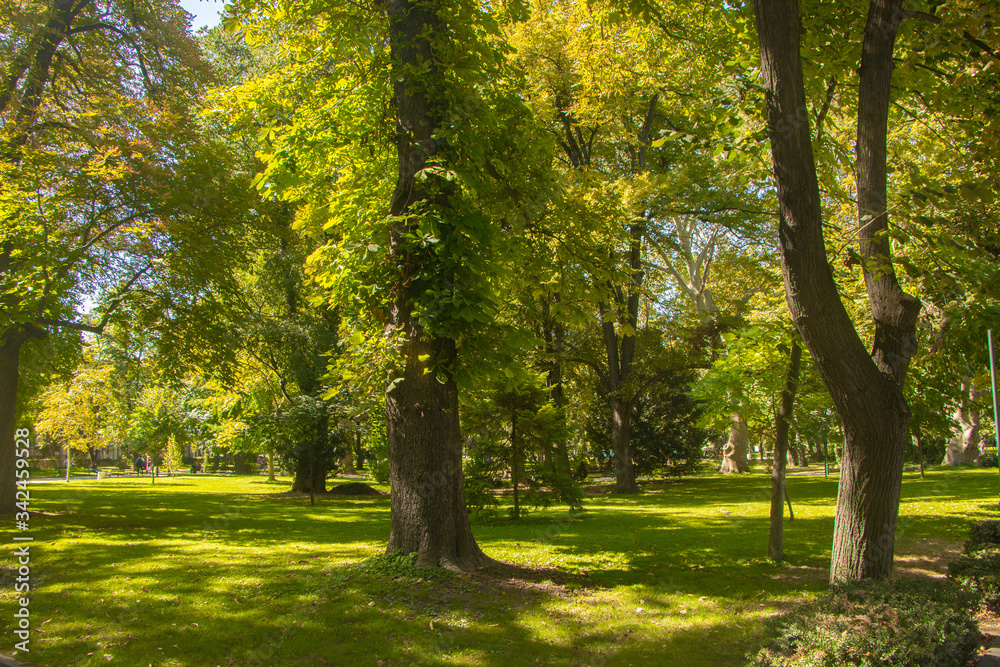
[
  {"x": 803, "y": 575},
  {"x": 354, "y": 489},
  {"x": 925, "y": 557},
  {"x": 915, "y": 558},
  {"x": 349, "y": 490},
  {"x": 530, "y": 579},
  {"x": 479, "y": 593}
]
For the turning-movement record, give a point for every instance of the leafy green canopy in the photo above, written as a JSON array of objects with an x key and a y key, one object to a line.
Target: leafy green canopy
[
  {"x": 93, "y": 122},
  {"x": 327, "y": 147}
]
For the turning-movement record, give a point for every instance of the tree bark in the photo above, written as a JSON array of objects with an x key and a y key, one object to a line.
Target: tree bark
[
  {"x": 358, "y": 451},
  {"x": 918, "y": 443},
  {"x": 866, "y": 388},
  {"x": 310, "y": 464},
  {"x": 554, "y": 334},
  {"x": 620, "y": 350},
  {"x": 348, "y": 462},
  {"x": 515, "y": 463},
  {"x": 424, "y": 438},
  {"x": 775, "y": 545},
  {"x": 10, "y": 352},
  {"x": 621, "y": 433},
  {"x": 425, "y": 467},
  {"x": 963, "y": 448},
  {"x": 793, "y": 455},
  {"x": 734, "y": 454}
]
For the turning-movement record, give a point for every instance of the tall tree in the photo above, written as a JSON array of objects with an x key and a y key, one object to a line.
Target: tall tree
[
  {"x": 425, "y": 441},
  {"x": 641, "y": 160},
  {"x": 415, "y": 254},
  {"x": 867, "y": 388},
  {"x": 92, "y": 94}
]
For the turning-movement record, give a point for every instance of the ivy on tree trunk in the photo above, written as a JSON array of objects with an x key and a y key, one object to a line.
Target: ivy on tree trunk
[{"x": 424, "y": 438}]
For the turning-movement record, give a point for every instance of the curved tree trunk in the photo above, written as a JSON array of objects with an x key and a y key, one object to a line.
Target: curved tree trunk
[
  {"x": 425, "y": 443},
  {"x": 866, "y": 387},
  {"x": 734, "y": 454},
  {"x": 620, "y": 351}
]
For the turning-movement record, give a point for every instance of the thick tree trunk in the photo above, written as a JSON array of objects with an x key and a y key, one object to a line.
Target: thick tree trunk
[
  {"x": 734, "y": 454},
  {"x": 425, "y": 443},
  {"x": 775, "y": 545},
  {"x": 866, "y": 388},
  {"x": 309, "y": 478},
  {"x": 621, "y": 433},
  {"x": 270, "y": 467},
  {"x": 239, "y": 464},
  {"x": 310, "y": 464},
  {"x": 963, "y": 448},
  {"x": 10, "y": 352},
  {"x": 425, "y": 466}
]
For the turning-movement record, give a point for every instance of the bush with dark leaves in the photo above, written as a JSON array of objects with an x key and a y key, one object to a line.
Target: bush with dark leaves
[
  {"x": 978, "y": 571},
  {"x": 906, "y": 623},
  {"x": 983, "y": 534}
]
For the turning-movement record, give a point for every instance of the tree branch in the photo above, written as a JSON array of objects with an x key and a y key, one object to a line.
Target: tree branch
[
  {"x": 936, "y": 20},
  {"x": 601, "y": 375}
]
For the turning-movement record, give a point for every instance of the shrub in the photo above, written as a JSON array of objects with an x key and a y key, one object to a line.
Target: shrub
[
  {"x": 391, "y": 565},
  {"x": 904, "y": 623},
  {"x": 978, "y": 571},
  {"x": 983, "y": 534},
  {"x": 379, "y": 469}
]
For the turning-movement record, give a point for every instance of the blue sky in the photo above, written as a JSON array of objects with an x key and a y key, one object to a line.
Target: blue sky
[{"x": 206, "y": 12}]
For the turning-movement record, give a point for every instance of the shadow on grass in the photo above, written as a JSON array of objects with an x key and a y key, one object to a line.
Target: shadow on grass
[
  {"x": 310, "y": 612},
  {"x": 206, "y": 573}
]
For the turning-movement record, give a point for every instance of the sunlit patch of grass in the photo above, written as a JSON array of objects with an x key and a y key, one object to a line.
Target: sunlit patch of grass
[{"x": 229, "y": 570}]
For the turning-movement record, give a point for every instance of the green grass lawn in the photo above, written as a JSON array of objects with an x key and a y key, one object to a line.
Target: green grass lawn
[{"x": 223, "y": 571}]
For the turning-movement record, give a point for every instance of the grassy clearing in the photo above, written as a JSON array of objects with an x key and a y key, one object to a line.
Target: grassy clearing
[{"x": 224, "y": 571}]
